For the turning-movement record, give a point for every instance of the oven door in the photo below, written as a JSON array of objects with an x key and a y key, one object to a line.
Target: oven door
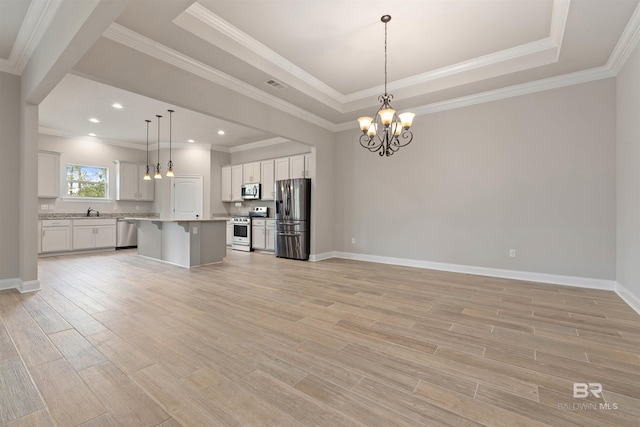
[{"x": 241, "y": 234}]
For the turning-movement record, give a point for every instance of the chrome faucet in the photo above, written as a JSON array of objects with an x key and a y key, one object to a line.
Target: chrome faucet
[{"x": 92, "y": 210}]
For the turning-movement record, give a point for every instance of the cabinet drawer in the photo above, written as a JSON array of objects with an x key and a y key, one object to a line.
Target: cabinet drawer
[
  {"x": 258, "y": 222},
  {"x": 93, "y": 222},
  {"x": 56, "y": 222}
]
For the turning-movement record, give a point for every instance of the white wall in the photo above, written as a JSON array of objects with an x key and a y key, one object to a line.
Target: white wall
[
  {"x": 92, "y": 152},
  {"x": 9, "y": 173},
  {"x": 628, "y": 176},
  {"x": 535, "y": 173},
  {"x": 218, "y": 159},
  {"x": 284, "y": 149}
]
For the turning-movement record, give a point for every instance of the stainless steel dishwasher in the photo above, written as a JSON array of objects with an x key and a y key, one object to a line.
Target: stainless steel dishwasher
[{"x": 126, "y": 233}]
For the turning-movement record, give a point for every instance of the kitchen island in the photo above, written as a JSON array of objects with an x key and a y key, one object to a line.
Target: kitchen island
[{"x": 183, "y": 242}]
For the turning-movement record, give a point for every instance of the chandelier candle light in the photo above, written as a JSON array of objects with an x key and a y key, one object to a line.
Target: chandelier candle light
[
  {"x": 158, "y": 175},
  {"x": 147, "y": 176},
  {"x": 387, "y": 131}
]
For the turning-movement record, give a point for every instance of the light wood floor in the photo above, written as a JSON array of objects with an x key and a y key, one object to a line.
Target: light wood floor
[{"x": 114, "y": 339}]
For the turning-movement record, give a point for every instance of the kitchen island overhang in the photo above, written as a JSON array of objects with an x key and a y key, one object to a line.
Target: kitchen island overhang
[{"x": 183, "y": 242}]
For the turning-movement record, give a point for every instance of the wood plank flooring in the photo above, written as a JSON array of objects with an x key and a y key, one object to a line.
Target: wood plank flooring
[{"x": 113, "y": 339}]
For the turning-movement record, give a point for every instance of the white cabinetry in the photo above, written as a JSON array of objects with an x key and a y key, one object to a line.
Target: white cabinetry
[
  {"x": 48, "y": 174},
  {"x": 129, "y": 182},
  {"x": 226, "y": 192},
  {"x": 296, "y": 166},
  {"x": 55, "y": 235},
  {"x": 251, "y": 172},
  {"x": 267, "y": 180},
  {"x": 270, "y": 235},
  {"x": 281, "y": 168},
  {"x": 236, "y": 183},
  {"x": 308, "y": 166},
  {"x": 229, "y": 232},
  {"x": 263, "y": 234},
  {"x": 94, "y": 233},
  {"x": 231, "y": 182}
]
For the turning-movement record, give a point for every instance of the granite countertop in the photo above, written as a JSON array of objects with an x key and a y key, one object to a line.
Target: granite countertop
[{"x": 157, "y": 219}]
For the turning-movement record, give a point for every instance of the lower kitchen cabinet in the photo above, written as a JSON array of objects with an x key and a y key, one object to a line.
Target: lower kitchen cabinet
[
  {"x": 55, "y": 235},
  {"x": 263, "y": 234},
  {"x": 229, "y": 232},
  {"x": 94, "y": 233}
]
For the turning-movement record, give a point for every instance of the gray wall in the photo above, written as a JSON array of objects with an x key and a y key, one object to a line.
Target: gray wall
[
  {"x": 218, "y": 159},
  {"x": 9, "y": 173},
  {"x": 92, "y": 152},
  {"x": 628, "y": 175},
  {"x": 535, "y": 173}
]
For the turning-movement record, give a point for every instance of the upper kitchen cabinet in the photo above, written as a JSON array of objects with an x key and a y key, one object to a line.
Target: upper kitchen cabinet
[
  {"x": 48, "y": 174},
  {"x": 129, "y": 182},
  {"x": 226, "y": 192},
  {"x": 251, "y": 172},
  {"x": 281, "y": 168},
  {"x": 231, "y": 182},
  {"x": 296, "y": 166},
  {"x": 267, "y": 180}
]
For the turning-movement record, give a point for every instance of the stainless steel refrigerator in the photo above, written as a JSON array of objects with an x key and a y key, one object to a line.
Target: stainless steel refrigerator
[{"x": 293, "y": 210}]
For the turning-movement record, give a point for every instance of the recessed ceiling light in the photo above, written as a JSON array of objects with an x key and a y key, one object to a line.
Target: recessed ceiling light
[
  {"x": 92, "y": 134},
  {"x": 94, "y": 120},
  {"x": 191, "y": 140},
  {"x": 220, "y": 132},
  {"x": 118, "y": 106}
]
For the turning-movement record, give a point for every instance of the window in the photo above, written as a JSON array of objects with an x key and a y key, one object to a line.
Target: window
[{"x": 87, "y": 182}]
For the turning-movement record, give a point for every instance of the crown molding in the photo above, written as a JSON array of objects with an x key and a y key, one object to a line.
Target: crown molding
[
  {"x": 259, "y": 144},
  {"x": 138, "y": 42},
  {"x": 559, "y": 17},
  {"x": 256, "y": 53},
  {"x": 626, "y": 43},
  {"x": 35, "y": 24},
  {"x": 570, "y": 79}
]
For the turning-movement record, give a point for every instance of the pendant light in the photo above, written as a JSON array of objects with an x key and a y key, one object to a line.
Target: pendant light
[
  {"x": 170, "y": 164},
  {"x": 147, "y": 176},
  {"x": 382, "y": 133},
  {"x": 158, "y": 175}
]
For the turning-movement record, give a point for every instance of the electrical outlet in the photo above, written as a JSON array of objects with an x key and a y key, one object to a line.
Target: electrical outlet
[
  {"x": 115, "y": 207},
  {"x": 195, "y": 230},
  {"x": 52, "y": 207},
  {"x": 353, "y": 240},
  {"x": 137, "y": 207},
  {"x": 44, "y": 207},
  {"x": 512, "y": 253}
]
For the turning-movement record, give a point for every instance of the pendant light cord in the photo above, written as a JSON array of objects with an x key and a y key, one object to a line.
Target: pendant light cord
[{"x": 385, "y": 58}]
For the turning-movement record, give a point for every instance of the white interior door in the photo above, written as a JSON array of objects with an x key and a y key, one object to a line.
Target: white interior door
[{"x": 186, "y": 194}]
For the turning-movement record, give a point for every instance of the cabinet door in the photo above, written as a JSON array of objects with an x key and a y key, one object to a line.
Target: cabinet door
[
  {"x": 127, "y": 181},
  {"x": 236, "y": 183},
  {"x": 226, "y": 193},
  {"x": 48, "y": 174},
  {"x": 267, "y": 180},
  {"x": 296, "y": 165},
  {"x": 55, "y": 239},
  {"x": 281, "y": 168},
  {"x": 308, "y": 166},
  {"x": 83, "y": 237},
  {"x": 229, "y": 233},
  {"x": 145, "y": 188},
  {"x": 251, "y": 172},
  {"x": 270, "y": 238},
  {"x": 258, "y": 237},
  {"x": 105, "y": 236}
]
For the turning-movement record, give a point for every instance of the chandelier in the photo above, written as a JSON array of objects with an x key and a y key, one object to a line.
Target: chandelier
[{"x": 386, "y": 132}]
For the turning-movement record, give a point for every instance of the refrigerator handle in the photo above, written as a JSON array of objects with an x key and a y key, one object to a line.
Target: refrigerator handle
[{"x": 287, "y": 208}]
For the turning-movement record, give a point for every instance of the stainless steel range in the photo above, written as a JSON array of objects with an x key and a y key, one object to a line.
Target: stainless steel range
[{"x": 241, "y": 240}]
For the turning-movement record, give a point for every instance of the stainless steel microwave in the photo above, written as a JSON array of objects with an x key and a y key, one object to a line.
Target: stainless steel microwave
[{"x": 251, "y": 191}]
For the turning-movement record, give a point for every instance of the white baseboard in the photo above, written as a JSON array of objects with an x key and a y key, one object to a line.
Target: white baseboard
[
  {"x": 628, "y": 297},
  {"x": 556, "y": 279},
  {"x": 322, "y": 256},
  {"x": 22, "y": 287},
  {"x": 9, "y": 284}
]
